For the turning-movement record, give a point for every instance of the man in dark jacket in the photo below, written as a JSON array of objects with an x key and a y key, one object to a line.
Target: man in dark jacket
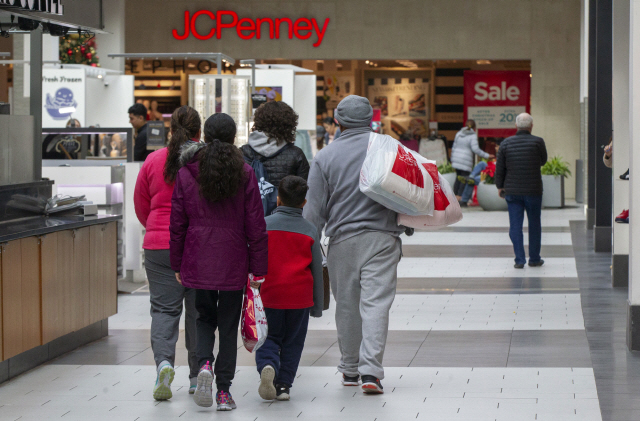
[
  {"x": 519, "y": 181},
  {"x": 138, "y": 119}
]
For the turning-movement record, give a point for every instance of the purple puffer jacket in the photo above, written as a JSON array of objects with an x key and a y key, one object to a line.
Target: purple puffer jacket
[{"x": 215, "y": 246}]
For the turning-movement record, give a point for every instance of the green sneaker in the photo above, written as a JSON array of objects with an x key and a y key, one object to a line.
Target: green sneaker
[
  {"x": 462, "y": 179},
  {"x": 162, "y": 389}
]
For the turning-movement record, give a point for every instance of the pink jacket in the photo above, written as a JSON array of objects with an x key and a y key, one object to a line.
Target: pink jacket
[{"x": 152, "y": 199}]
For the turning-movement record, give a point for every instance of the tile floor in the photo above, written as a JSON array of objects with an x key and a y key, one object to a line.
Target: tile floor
[{"x": 470, "y": 338}]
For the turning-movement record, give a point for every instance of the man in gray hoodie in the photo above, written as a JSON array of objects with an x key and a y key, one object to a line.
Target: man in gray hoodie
[{"x": 364, "y": 246}]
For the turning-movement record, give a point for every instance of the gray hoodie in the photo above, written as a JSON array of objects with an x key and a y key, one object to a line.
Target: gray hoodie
[
  {"x": 261, "y": 144},
  {"x": 465, "y": 146},
  {"x": 334, "y": 196}
]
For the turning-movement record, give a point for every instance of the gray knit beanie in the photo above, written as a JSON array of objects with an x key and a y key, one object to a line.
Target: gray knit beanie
[{"x": 354, "y": 111}]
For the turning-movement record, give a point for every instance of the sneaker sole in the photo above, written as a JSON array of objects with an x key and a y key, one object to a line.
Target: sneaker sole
[
  {"x": 283, "y": 397},
  {"x": 224, "y": 407},
  {"x": 162, "y": 391},
  {"x": 192, "y": 391},
  {"x": 267, "y": 390},
  {"x": 203, "y": 396},
  {"x": 345, "y": 383},
  {"x": 372, "y": 389}
]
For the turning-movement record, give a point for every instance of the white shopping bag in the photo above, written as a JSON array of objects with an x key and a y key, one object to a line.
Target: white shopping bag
[
  {"x": 446, "y": 207},
  {"x": 393, "y": 176}
]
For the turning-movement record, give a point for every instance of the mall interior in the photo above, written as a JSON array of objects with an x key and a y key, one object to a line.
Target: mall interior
[{"x": 470, "y": 337}]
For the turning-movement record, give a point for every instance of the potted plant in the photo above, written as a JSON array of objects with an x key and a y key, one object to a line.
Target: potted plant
[
  {"x": 488, "y": 197},
  {"x": 553, "y": 174},
  {"x": 448, "y": 173}
]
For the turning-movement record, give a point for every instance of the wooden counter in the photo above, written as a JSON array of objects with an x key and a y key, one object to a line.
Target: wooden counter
[{"x": 54, "y": 284}]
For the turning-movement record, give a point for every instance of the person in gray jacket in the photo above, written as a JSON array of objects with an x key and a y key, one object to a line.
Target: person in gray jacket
[
  {"x": 465, "y": 146},
  {"x": 364, "y": 246}
]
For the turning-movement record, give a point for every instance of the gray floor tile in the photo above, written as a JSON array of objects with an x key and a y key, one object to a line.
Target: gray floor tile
[{"x": 477, "y": 251}]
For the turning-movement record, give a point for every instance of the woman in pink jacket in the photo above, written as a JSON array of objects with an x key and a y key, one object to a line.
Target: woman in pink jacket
[{"x": 152, "y": 199}]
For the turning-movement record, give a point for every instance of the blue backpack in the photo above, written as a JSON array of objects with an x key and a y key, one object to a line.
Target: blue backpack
[{"x": 268, "y": 191}]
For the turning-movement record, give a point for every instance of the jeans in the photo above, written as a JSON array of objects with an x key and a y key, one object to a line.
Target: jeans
[
  {"x": 167, "y": 297},
  {"x": 475, "y": 174},
  {"x": 458, "y": 187},
  {"x": 219, "y": 310},
  {"x": 517, "y": 207},
  {"x": 285, "y": 341}
]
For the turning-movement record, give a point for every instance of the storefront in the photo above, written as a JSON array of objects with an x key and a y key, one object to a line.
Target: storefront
[{"x": 412, "y": 53}]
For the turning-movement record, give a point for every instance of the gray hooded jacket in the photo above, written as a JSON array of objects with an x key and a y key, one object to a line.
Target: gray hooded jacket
[
  {"x": 334, "y": 196},
  {"x": 465, "y": 146}
]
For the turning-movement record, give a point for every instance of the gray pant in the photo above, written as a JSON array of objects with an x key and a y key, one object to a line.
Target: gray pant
[
  {"x": 167, "y": 296},
  {"x": 364, "y": 276}
]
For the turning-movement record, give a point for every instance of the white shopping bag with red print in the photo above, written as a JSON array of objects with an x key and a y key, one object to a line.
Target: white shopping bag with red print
[
  {"x": 393, "y": 176},
  {"x": 446, "y": 207},
  {"x": 253, "y": 326}
]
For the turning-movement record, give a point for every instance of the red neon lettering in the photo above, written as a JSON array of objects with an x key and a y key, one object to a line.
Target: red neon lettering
[
  {"x": 221, "y": 25},
  {"x": 186, "y": 28},
  {"x": 320, "y": 33},
  {"x": 193, "y": 25},
  {"x": 240, "y": 28},
  {"x": 302, "y": 24},
  {"x": 279, "y": 22},
  {"x": 259, "y": 24}
]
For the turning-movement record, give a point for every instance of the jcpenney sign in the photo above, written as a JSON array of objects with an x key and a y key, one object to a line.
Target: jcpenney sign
[
  {"x": 53, "y": 7},
  {"x": 225, "y": 21}
]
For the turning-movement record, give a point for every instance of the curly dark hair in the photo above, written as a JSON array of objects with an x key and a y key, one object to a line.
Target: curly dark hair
[
  {"x": 185, "y": 125},
  {"x": 221, "y": 163},
  {"x": 277, "y": 120}
]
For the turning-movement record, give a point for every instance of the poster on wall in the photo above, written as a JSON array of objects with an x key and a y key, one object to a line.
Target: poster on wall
[
  {"x": 403, "y": 104},
  {"x": 495, "y": 98},
  {"x": 262, "y": 94},
  {"x": 336, "y": 88},
  {"x": 63, "y": 97}
]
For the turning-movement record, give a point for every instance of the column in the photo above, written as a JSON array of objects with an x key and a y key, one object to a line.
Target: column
[
  {"x": 603, "y": 124},
  {"x": 633, "y": 320},
  {"x": 591, "y": 119},
  {"x": 620, "y": 262}
]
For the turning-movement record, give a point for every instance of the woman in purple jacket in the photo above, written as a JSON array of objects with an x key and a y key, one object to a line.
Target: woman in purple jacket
[{"x": 218, "y": 237}]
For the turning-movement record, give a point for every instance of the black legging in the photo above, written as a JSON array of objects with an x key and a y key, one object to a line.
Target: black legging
[{"x": 458, "y": 187}]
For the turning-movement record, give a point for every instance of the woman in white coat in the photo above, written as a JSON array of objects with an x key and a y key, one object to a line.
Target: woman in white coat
[{"x": 465, "y": 146}]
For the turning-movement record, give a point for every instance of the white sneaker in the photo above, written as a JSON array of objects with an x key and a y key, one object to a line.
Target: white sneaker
[
  {"x": 162, "y": 389},
  {"x": 267, "y": 389},
  {"x": 203, "y": 395},
  {"x": 193, "y": 385}
]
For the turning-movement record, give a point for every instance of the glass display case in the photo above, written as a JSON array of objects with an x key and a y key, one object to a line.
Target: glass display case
[
  {"x": 229, "y": 94},
  {"x": 87, "y": 143}
]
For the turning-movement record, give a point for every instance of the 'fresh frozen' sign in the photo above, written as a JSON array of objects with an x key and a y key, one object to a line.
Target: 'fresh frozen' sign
[{"x": 63, "y": 96}]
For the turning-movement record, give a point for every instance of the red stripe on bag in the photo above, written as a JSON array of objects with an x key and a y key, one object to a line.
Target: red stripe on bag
[
  {"x": 440, "y": 201},
  {"x": 407, "y": 167}
]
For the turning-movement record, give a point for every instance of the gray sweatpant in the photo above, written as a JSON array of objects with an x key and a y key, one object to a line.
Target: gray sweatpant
[
  {"x": 363, "y": 273},
  {"x": 167, "y": 296}
]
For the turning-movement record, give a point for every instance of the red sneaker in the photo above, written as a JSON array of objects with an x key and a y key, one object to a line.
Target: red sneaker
[{"x": 623, "y": 216}]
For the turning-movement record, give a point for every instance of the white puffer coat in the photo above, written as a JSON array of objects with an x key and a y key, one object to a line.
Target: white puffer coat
[{"x": 465, "y": 146}]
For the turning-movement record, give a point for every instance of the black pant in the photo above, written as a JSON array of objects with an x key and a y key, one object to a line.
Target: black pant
[
  {"x": 221, "y": 310},
  {"x": 285, "y": 341},
  {"x": 458, "y": 187}
]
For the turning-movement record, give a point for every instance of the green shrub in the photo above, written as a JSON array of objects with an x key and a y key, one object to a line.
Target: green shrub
[
  {"x": 446, "y": 168},
  {"x": 556, "y": 166}
]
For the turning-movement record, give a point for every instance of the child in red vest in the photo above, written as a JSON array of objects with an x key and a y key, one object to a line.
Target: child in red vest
[{"x": 292, "y": 290}]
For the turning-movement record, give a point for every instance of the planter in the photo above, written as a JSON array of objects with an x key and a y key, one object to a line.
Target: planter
[
  {"x": 553, "y": 191},
  {"x": 451, "y": 178},
  {"x": 488, "y": 198}
]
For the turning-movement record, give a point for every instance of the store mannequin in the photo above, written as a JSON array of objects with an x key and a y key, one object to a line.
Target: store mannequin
[{"x": 154, "y": 114}]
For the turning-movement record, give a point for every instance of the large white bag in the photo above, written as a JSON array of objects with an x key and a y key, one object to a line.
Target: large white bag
[
  {"x": 393, "y": 176},
  {"x": 446, "y": 207}
]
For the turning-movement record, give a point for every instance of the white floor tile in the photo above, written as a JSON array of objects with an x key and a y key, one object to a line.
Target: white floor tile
[{"x": 477, "y": 267}]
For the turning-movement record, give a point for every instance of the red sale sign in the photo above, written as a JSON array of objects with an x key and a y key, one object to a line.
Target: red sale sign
[{"x": 495, "y": 98}]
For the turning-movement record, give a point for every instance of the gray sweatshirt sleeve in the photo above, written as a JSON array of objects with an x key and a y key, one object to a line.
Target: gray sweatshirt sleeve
[
  {"x": 476, "y": 148},
  {"x": 318, "y": 280},
  {"x": 315, "y": 211}
]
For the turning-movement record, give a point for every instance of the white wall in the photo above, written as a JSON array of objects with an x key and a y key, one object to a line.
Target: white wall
[{"x": 108, "y": 100}]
